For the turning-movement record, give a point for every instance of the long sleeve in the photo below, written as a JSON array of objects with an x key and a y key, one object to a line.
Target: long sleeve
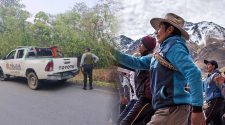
[
  {"x": 82, "y": 60},
  {"x": 141, "y": 63},
  {"x": 179, "y": 57},
  {"x": 96, "y": 59}
]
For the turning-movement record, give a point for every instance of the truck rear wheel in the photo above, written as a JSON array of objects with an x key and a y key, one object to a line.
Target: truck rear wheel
[
  {"x": 33, "y": 81},
  {"x": 62, "y": 81},
  {"x": 3, "y": 76}
]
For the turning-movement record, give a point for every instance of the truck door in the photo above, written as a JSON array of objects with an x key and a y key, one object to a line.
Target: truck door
[
  {"x": 8, "y": 63},
  {"x": 19, "y": 62}
]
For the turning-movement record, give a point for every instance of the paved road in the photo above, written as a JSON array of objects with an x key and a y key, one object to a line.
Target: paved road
[{"x": 66, "y": 104}]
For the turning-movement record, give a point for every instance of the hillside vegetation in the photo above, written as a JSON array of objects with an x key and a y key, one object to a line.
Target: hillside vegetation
[{"x": 71, "y": 31}]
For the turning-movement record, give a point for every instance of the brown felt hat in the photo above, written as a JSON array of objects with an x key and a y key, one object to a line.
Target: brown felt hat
[{"x": 174, "y": 20}]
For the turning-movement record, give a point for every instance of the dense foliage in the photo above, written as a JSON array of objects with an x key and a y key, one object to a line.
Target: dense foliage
[{"x": 71, "y": 31}]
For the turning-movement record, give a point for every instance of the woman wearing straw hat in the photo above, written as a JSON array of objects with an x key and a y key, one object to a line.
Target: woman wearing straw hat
[{"x": 171, "y": 68}]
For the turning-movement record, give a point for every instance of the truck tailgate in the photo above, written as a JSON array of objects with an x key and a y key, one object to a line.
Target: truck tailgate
[{"x": 64, "y": 64}]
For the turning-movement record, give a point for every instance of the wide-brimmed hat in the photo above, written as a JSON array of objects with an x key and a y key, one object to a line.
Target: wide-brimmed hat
[
  {"x": 213, "y": 62},
  {"x": 174, "y": 20}
]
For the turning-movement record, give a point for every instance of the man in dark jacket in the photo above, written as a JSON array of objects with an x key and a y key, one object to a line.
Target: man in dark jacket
[{"x": 142, "y": 110}]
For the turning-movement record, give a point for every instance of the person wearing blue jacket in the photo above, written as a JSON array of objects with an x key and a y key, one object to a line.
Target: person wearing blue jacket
[
  {"x": 171, "y": 69},
  {"x": 214, "y": 97}
]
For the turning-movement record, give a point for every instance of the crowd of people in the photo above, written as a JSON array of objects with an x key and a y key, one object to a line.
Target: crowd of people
[{"x": 168, "y": 84}]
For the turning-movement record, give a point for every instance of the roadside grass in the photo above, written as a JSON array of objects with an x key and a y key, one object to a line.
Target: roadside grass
[
  {"x": 101, "y": 78},
  {"x": 95, "y": 83}
]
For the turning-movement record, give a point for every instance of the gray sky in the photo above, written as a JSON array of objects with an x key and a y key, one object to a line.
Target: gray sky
[
  {"x": 135, "y": 17},
  {"x": 53, "y": 6}
]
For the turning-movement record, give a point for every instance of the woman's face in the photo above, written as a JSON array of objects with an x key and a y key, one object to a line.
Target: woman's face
[
  {"x": 163, "y": 33},
  {"x": 142, "y": 48}
]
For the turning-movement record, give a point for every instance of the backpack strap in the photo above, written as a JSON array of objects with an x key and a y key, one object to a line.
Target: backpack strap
[
  {"x": 163, "y": 62},
  {"x": 160, "y": 55}
]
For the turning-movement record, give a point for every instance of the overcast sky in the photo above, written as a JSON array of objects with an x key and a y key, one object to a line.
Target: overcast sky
[
  {"x": 135, "y": 16},
  {"x": 137, "y": 13},
  {"x": 53, "y": 6}
]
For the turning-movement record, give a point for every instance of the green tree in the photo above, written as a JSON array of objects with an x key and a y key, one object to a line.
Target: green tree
[
  {"x": 42, "y": 30},
  {"x": 12, "y": 25},
  {"x": 71, "y": 31}
]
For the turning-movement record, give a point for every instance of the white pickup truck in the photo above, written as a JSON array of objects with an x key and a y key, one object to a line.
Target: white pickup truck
[{"x": 37, "y": 64}]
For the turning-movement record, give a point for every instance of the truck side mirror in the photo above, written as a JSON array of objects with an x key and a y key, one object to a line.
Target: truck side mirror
[{"x": 4, "y": 58}]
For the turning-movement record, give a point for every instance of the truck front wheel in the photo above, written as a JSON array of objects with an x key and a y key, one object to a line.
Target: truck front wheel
[
  {"x": 32, "y": 80},
  {"x": 3, "y": 76}
]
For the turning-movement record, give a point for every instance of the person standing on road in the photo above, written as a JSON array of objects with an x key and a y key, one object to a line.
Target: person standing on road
[{"x": 88, "y": 59}]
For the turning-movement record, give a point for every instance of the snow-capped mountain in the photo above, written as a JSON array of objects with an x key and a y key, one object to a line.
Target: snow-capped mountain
[
  {"x": 201, "y": 32},
  {"x": 126, "y": 44},
  {"x": 207, "y": 41}
]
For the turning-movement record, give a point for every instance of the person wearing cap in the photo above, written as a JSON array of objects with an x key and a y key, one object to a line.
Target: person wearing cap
[
  {"x": 142, "y": 110},
  {"x": 169, "y": 97},
  {"x": 214, "y": 98},
  {"x": 88, "y": 59}
]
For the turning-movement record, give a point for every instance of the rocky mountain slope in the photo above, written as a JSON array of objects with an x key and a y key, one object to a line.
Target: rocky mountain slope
[{"x": 207, "y": 41}]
